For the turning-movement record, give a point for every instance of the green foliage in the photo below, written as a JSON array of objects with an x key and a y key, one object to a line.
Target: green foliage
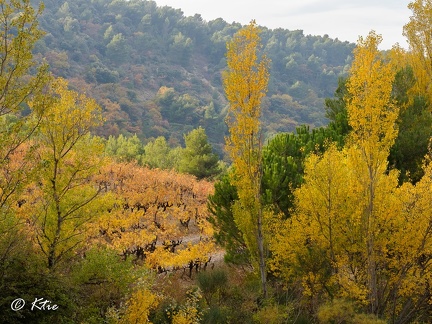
[
  {"x": 336, "y": 109},
  {"x": 103, "y": 280},
  {"x": 412, "y": 143},
  {"x": 157, "y": 154},
  {"x": 415, "y": 129},
  {"x": 117, "y": 49},
  {"x": 282, "y": 171},
  {"x": 176, "y": 108},
  {"x": 197, "y": 157},
  {"x": 141, "y": 47},
  {"x": 125, "y": 149},
  {"x": 227, "y": 233},
  {"x": 212, "y": 285},
  {"x": 216, "y": 315}
]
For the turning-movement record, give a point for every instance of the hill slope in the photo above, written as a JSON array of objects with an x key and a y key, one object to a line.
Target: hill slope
[{"x": 158, "y": 73}]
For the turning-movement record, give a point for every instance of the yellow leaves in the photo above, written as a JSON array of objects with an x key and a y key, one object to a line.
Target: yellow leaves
[
  {"x": 18, "y": 35},
  {"x": 245, "y": 83},
  {"x": 351, "y": 219},
  {"x": 196, "y": 253},
  {"x": 189, "y": 313},
  {"x": 139, "y": 306},
  {"x": 69, "y": 116},
  {"x": 62, "y": 200},
  {"x": 418, "y": 32},
  {"x": 156, "y": 212},
  {"x": 371, "y": 111}
]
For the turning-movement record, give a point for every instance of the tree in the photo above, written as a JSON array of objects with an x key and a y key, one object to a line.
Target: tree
[
  {"x": 419, "y": 36},
  {"x": 372, "y": 115},
  {"x": 227, "y": 233},
  {"x": 124, "y": 148},
  {"x": 346, "y": 238},
  {"x": 197, "y": 157},
  {"x": 59, "y": 203},
  {"x": 245, "y": 83},
  {"x": 336, "y": 109},
  {"x": 18, "y": 34},
  {"x": 156, "y": 154},
  {"x": 22, "y": 79}
]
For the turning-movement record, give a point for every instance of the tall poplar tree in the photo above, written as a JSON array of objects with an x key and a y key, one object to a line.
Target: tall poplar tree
[
  {"x": 245, "y": 82},
  {"x": 372, "y": 115},
  {"x": 418, "y": 32}
]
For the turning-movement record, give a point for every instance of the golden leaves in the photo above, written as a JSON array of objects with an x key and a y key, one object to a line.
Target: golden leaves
[
  {"x": 418, "y": 32},
  {"x": 139, "y": 306},
  {"x": 61, "y": 201},
  {"x": 69, "y": 116},
  {"x": 355, "y": 233},
  {"x": 152, "y": 212},
  {"x": 245, "y": 83},
  {"x": 371, "y": 111}
]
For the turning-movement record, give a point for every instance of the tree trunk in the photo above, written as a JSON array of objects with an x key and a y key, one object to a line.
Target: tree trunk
[{"x": 261, "y": 256}]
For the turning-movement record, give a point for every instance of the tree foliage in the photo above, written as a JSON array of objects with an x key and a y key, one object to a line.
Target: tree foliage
[
  {"x": 123, "y": 52},
  {"x": 347, "y": 238},
  {"x": 245, "y": 84},
  {"x": 418, "y": 32},
  {"x": 197, "y": 157},
  {"x": 58, "y": 203}
]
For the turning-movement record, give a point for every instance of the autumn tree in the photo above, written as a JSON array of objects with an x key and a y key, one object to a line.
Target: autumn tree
[
  {"x": 372, "y": 116},
  {"x": 22, "y": 79},
  {"x": 245, "y": 83},
  {"x": 18, "y": 34},
  {"x": 59, "y": 203},
  {"x": 418, "y": 32},
  {"x": 347, "y": 237}
]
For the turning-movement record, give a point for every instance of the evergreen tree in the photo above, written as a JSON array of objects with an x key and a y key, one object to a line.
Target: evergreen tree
[{"x": 197, "y": 157}]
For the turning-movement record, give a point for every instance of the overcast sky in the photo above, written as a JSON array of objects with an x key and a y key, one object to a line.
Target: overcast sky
[{"x": 342, "y": 19}]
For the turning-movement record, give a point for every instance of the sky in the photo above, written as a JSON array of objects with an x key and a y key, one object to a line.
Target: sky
[{"x": 342, "y": 19}]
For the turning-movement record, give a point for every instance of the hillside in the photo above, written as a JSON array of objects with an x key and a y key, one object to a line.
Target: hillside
[{"x": 157, "y": 72}]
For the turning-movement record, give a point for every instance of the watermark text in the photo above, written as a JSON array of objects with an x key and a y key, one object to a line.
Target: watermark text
[{"x": 39, "y": 304}]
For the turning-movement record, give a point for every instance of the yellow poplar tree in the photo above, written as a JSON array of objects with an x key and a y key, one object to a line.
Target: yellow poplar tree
[
  {"x": 245, "y": 82},
  {"x": 418, "y": 32},
  {"x": 372, "y": 116},
  {"x": 341, "y": 240}
]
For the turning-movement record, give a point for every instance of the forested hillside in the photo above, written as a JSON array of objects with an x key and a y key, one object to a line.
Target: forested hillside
[{"x": 157, "y": 72}]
